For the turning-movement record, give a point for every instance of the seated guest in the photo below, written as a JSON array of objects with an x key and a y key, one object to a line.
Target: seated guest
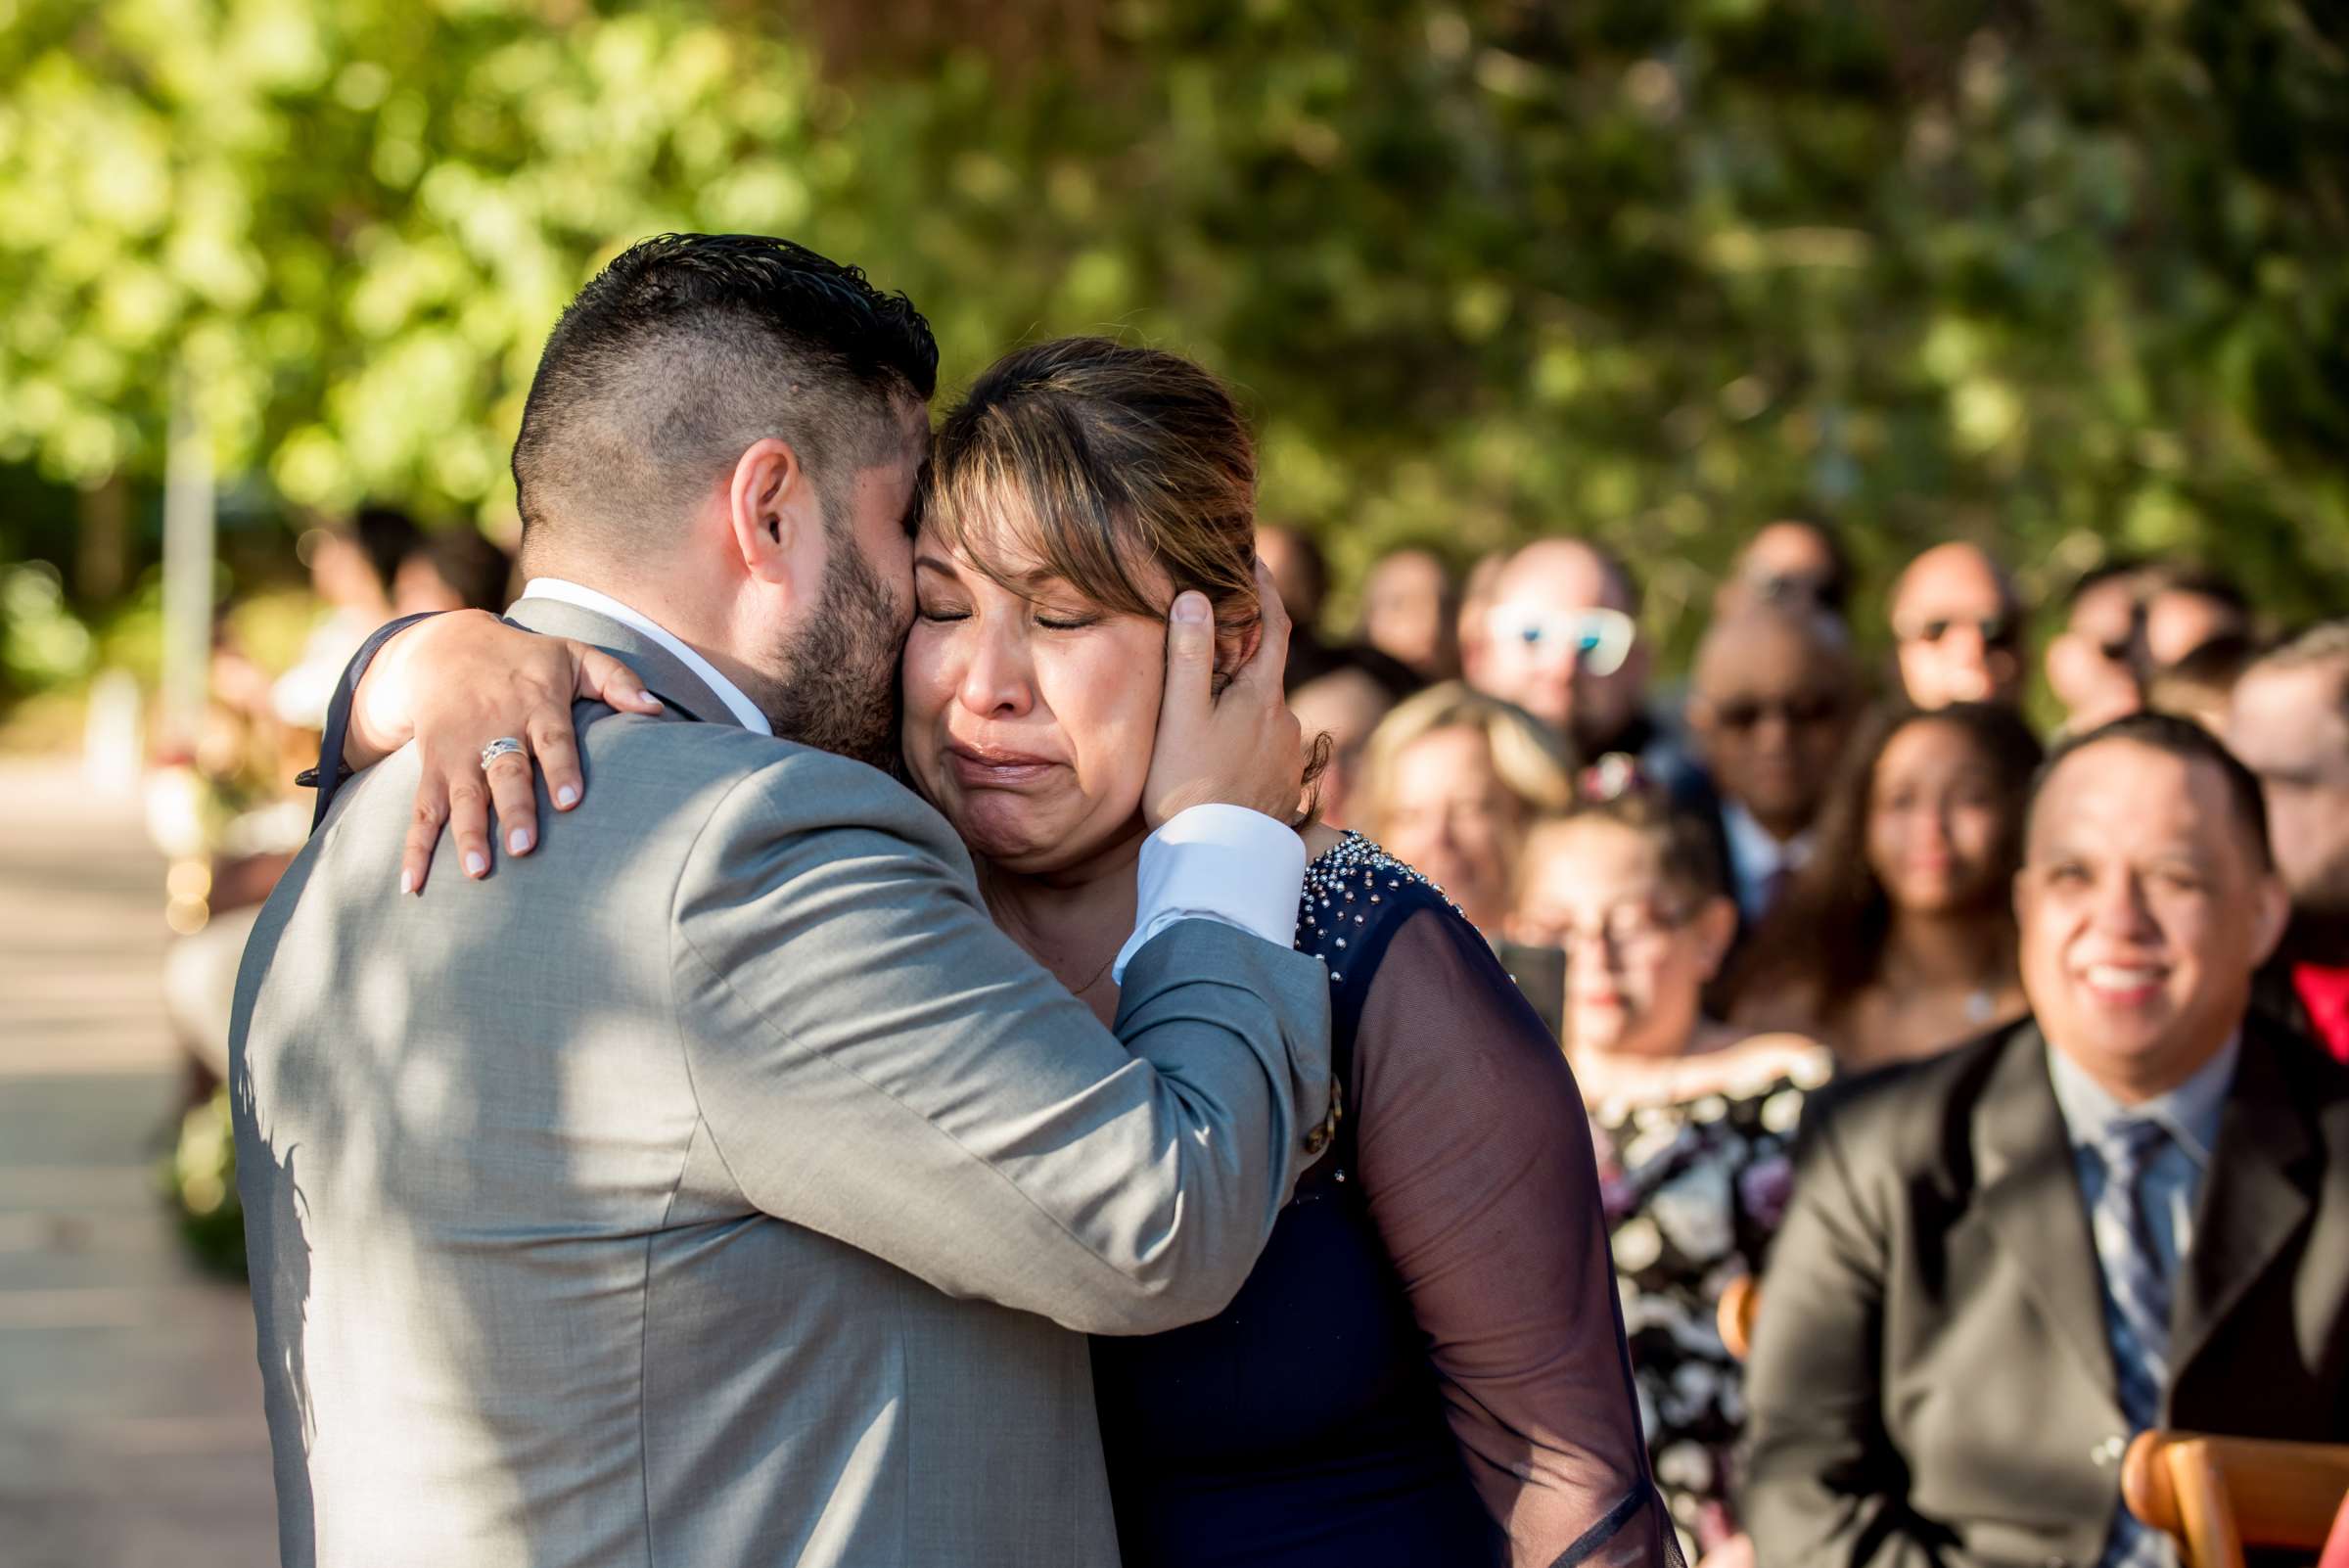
[
  {"x": 1897, "y": 940},
  {"x": 1476, "y": 598},
  {"x": 1346, "y": 704},
  {"x": 1411, "y": 614},
  {"x": 2095, "y": 665},
  {"x": 1562, "y": 642},
  {"x": 2289, "y": 721},
  {"x": 1791, "y": 562},
  {"x": 1958, "y": 628},
  {"x": 2130, "y": 1210},
  {"x": 1300, "y": 576},
  {"x": 1770, "y": 706},
  {"x": 2187, "y": 608},
  {"x": 1450, "y": 781},
  {"x": 1691, "y": 1119}
]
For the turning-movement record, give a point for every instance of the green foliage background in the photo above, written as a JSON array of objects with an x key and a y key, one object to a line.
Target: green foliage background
[{"x": 2063, "y": 277}]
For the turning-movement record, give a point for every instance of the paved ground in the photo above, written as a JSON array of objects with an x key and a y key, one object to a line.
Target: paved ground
[{"x": 131, "y": 1426}]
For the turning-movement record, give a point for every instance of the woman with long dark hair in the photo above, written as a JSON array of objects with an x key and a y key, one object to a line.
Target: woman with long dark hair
[{"x": 1897, "y": 939}]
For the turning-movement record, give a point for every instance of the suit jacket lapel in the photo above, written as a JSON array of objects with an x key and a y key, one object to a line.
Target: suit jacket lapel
[
  {"x": 2031, "y": 1197},
  {"x": 2255, "y": 1196},
  {"x": 665, "y": 674}
]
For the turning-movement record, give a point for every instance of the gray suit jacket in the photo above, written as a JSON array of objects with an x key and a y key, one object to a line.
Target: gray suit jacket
[
  {"x": 1931, "y": 1383},
  {"x": 718, "y": 1186}
]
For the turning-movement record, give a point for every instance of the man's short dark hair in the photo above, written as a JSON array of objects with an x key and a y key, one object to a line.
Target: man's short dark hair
[
  {"x": 687, "y": 350},
  {"x": 2181, "y": 738}
]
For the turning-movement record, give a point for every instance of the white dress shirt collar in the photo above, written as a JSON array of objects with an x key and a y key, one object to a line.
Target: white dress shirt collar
[
  {"x": 603, "y": 603},
  {"x": 2189, "y": 1113},
  {"x": 1754, "y": 855}
]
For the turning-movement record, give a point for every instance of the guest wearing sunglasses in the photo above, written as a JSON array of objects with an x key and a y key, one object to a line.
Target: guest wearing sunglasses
[
  {"x": 1560, "y": 638},
  {"x": 1773, "y": 702},
  {"x": 1958, "y": 628}
]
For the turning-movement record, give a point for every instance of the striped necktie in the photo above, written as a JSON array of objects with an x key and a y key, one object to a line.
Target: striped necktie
[{"x": 2137, "y": 1308}]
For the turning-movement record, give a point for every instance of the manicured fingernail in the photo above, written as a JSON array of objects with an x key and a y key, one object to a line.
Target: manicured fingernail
[
  {"x": 475, "y": 863},
  {"x": 408, "y": 881},
  {"x": 518, "y": 842},
  {"x": 568, "y": 796},
  {"x": 642, "y": 699},
  {"x": 1190, "y": 607}
]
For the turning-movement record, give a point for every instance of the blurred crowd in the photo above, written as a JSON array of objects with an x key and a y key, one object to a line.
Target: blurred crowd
[
  {"x": 1800, "y": 866},
  {"x": 262, "y": 727},
  {"x": 1724, "y": 896}
]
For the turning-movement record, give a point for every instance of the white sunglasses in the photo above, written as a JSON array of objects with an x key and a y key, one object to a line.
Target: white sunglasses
[{"x": 1601, "y": 639}]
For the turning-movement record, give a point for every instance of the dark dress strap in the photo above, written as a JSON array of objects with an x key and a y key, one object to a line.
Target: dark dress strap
[{"x": 328, "y": 776}]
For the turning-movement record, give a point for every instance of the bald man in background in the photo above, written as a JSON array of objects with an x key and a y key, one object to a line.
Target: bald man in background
[
  {"x": 1561, "y": 639},
  {"x": 1957, "y": 626}
]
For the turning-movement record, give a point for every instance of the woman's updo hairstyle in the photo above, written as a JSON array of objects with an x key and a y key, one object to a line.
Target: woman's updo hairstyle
[{"x": 1102, "y": 461}]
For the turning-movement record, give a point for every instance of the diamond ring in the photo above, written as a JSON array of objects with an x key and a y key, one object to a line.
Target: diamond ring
[{"x": 503, "y": 746}]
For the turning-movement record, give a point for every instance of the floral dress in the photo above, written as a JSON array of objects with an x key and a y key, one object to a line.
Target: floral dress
[{"x": 1694, "y": 1192}]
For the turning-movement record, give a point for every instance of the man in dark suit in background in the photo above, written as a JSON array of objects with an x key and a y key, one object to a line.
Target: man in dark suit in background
[{"x": 2131, "y": 1209}]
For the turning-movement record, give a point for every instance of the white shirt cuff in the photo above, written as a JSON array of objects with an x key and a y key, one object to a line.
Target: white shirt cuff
[{"x": 1218, "y": 862}]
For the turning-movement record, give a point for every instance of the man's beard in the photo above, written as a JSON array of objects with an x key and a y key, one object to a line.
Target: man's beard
[{"x": 839, "y": 690}]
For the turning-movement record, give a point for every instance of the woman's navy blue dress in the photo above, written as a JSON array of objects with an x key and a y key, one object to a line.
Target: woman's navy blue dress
[{"x": 1354, "y": 1407}]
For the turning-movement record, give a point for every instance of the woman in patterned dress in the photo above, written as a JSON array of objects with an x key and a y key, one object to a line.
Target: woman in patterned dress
[{"x": 1693, "y": 1118}]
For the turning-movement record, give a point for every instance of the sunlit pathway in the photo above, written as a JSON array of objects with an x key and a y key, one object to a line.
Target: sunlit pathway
[{"x": 131, "y": 1426}]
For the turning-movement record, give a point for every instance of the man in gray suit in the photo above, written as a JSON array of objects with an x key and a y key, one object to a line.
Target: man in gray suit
[
  {"x": 2130, "y": 1211},
  {"x": 719, "y": 1185}
]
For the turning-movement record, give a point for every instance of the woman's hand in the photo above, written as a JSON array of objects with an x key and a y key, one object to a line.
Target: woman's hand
[{"x": 453, "y": 684}]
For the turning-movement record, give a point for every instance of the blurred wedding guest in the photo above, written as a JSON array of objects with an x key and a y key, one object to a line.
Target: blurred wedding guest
[
  {"x": 1958, "y": 628},
  {"x": 1693, "y": 1118},
  {"x": 1790, "y": 561},
  {"x": 2095, "y": 665},
  {"x": 1773, "y": 700},
  {"x": 2289, "y": 721},
  {"x": 1411, "y": 614},
  {"x": 2129, "y": 1209},
  {"x": 1346, "y": 704},
  {"x": 2187, "y": 609},
  {"x": 1562, "y": 642},
  {"x": 2201, "y": 685},
  {"x": 1476, "y": 599},
  {"x": 1898, "y": 939},
  {"x": 1450, "y": 781},
  {"x": 351, "y": 571},
  {"x": 1301, "y": 574},
  {"x": 455, "y": 568}
]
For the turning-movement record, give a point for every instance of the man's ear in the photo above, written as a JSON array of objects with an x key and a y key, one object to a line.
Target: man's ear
[
  {"x": 772, "y": 506},
  {"x": 2270, "y": 914}
]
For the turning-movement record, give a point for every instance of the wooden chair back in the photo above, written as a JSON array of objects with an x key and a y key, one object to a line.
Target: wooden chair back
[
  {"x": 1734, "y": 1316},
  {"x": 2216, "y": 1496}
]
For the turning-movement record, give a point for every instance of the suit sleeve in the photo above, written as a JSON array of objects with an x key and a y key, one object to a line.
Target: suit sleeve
[
  {"x": 876, "y": 1061},
  {"x": 1824, "y": 1486}
]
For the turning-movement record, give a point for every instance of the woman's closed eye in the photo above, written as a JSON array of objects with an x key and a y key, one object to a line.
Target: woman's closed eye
[
  {"x": 1066, "y": 620},
  {"x": 929, "y": 609}
]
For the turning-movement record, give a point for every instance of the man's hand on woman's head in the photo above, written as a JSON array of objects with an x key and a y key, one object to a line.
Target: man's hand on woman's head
[{"x": 453, "y": 684}]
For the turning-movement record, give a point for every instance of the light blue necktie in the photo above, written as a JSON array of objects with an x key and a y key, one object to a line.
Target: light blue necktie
[{"x": 2137, "y": 1308}]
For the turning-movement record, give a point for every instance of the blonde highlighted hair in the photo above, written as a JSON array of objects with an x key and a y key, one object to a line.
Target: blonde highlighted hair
[{"x": 1533, "y": 763}]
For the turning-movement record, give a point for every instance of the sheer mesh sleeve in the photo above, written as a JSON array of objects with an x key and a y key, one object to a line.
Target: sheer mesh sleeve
[{"x": 1476, "y": 1161}]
